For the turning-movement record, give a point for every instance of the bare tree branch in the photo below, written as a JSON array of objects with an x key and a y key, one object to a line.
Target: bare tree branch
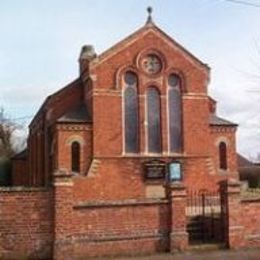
[{"x": 7, "y": 129}]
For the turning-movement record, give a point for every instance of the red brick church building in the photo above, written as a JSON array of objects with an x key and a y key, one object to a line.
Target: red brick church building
[
  {"x": 112, "y": 156},
  {"x": 143, "y": 101}
]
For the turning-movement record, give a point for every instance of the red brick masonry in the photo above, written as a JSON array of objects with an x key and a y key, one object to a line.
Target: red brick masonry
[
  {"x": 26, "y": 223},
  {"x": 243, "y": 227},
  {"x": 112, "y": 227},
  {"x": 109, "y": 206},
  {"x": 96, "y": 228}
]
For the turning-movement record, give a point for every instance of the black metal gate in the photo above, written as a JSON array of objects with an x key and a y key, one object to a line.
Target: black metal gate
[{"x": 205, "y": 217}]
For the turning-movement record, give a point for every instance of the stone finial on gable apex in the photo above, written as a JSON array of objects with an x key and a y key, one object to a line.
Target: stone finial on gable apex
[{"x": 149, "y": 20}]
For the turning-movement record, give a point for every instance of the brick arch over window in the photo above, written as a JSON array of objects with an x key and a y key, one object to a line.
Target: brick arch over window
[
  {"x": 222, "y": 139},
  {"x": 75, "y": 157},
  {"x": 175, "y": 113},
  {"x": 130, "y": 99},
  {"x": 75, "y": 138},
  {"x": 154, "y": 120},
  {"x": 222, "y": 156}
]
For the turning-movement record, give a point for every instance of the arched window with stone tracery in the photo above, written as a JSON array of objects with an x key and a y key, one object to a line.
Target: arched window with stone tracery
[
  {"x": 130, "y": 96},
  {"x": 175, "y": 113},
  {"x": 154, "y": 120}
]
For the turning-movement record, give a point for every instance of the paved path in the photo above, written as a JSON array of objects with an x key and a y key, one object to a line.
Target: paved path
[{"x": 253, "y": 254}]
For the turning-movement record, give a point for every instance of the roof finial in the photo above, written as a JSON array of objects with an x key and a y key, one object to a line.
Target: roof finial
[{"x": 149, "y": 18}]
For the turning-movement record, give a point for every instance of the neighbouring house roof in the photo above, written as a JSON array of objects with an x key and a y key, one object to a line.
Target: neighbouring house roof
[
  {"x": 21, "y": 155},
  {"x": 218, "y": 121},
  {"x": 243, "y": 161},
  {"x": 78, "y": 114}
]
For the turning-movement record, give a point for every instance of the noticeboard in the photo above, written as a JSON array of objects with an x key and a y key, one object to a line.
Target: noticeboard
[
  {"x": 155, "y": 170},
  {"x": 175, "y": 172}
]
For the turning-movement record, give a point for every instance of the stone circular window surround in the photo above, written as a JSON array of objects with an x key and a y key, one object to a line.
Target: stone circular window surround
[{"x": 151, "y": 64}]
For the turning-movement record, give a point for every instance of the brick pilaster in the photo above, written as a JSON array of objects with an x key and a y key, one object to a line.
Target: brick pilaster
[
  {"x": 176, "y": 193},
  {"x": 63, "y": 216},
  {"x": 235, "y": 229}
]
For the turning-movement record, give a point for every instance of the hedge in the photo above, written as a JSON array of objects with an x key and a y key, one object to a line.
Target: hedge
[
  {"x": 250, "y": 174},
  {"x": 5, "y": 172}
]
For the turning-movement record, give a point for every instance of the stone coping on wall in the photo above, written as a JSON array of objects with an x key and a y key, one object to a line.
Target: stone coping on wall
[
  {"x": 253, "y": 236},
  {"x": 251, "y": 195},
  {"x": 23, "y": 189},
  {"x": 119, "y": 203},
  {"x": 114, "y": 237},
  {"x": 250, "y": 199}
]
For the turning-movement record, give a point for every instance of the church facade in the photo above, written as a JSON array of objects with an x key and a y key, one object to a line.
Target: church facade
[
  {"x": 113, "y": 156},
  {"x": 133, "y": 111}
]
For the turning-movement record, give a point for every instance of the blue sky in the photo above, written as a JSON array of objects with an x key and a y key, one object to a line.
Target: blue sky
[{"x": 41, "y": 40}]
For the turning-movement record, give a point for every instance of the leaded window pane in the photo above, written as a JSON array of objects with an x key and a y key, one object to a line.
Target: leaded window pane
[
  {"x": 154, "y": 121},
  {"x": 173, "y": 80},
  {"x": 175, "y": 113},
  {"x": 130, "y": 78},
  {"x": 131, "y": 113},
  {"x": 75, "y": 157},
  {"x": 222, "y": 156}
]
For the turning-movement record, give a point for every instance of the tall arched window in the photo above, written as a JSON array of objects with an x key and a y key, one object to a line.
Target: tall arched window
[
  {"x": 223, "y": 156},
  {"x": 131, "y": 112},
  {"x": 75, "y": 157},
  {"x": 175, "y": 113},
  {"x": 154, "y": 120}
]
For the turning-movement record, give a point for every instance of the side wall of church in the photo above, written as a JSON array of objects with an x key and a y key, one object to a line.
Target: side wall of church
[
  {"x": 66, "y": 135},
  {"x": 226, "y": 135},
  {"x": 40, "y": 141}
]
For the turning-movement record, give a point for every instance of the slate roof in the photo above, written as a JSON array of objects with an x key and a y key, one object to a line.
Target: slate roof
[
  {"x": 78, "y": 114},
  {"x": 218, "y": 121},
  {"x": 243, "y": 161},
  {"x": 51, "y": 98}
]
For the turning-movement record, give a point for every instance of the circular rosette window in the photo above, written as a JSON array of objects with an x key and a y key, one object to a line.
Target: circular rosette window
[{"x": 151, "y": 64}]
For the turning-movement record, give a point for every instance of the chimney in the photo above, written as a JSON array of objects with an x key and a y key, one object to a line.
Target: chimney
[{"x": 87, "y": 54}]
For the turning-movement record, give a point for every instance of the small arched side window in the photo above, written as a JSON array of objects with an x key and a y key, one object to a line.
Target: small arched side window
[
  {"x": 75, "y": 157},
  {"x": 175, "y": 113},
  {"x": 223, "y": 156},
  {"x": 154, "y": 120},
  {"x": 131, "y": 113}
]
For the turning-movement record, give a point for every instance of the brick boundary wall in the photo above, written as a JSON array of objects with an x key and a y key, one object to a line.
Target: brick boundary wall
[
  {"x": 25, "y": 223},
  {"x": 250, "y": 209},
  {"x": 40, "y": 223},
  {"x": 117, "y": 227},
  {"x": 243, "y": 217},
  {"x": 47, "y": 223}
]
